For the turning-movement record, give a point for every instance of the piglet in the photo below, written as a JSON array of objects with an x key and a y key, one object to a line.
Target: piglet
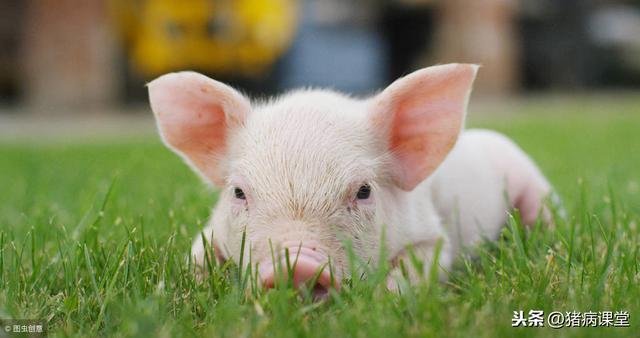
[{"x": 312, "y": 170}]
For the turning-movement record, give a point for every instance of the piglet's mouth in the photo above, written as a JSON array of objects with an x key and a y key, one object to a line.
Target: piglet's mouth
[{"x": 310, "y": 268}]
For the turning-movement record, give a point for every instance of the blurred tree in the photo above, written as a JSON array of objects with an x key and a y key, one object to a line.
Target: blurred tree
[
  {"x": 11, "y": 14},
  {"x": 68, "y": 54},
  {"x": 483, "y": 32}
]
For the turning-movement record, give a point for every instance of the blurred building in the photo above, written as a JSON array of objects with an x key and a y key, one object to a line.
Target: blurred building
[{"x": 83, "y": 53}]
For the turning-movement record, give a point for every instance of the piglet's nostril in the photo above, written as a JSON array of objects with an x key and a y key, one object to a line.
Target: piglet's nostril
[
  {"x": 294, "y": 245},
  {"x": 307, "y": 266}
]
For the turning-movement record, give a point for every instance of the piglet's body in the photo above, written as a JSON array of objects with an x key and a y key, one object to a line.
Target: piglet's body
[{"x": 314, "y": 169}]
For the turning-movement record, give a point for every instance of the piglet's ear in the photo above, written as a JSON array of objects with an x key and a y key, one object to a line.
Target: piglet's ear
[
  {"x": 421, "y": 116},
  {"x": 195, "y": 116}
]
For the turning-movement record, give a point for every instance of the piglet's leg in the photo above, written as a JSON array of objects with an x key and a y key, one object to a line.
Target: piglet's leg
[
  {"x": 526, "y": 186},
  {"x": 414, "y": 263},
  {"x": 201, "y": 251}
]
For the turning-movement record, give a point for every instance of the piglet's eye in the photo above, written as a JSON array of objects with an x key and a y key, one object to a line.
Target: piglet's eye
[
  {"x": 364, "y": 192},
  {"x": 239, "y": 194}
]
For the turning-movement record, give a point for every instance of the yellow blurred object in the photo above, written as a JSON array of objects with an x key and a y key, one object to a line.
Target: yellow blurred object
[{"x": 243, "y": 37}]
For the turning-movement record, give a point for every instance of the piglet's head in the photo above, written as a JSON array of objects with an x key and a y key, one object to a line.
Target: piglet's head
[{"x": 311, "y": 170}]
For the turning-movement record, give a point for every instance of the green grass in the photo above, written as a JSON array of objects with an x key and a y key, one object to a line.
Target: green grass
[{"x": 94, "y": 236}]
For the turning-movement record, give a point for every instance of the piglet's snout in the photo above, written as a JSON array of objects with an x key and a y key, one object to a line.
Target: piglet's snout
[{"x": 308, "y": 266}]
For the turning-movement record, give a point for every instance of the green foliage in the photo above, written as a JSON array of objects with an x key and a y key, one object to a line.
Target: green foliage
[{"x": 94, "y": 238}]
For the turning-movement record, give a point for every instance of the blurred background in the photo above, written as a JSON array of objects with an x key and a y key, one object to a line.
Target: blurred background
[{"x": 91, "y": 58}]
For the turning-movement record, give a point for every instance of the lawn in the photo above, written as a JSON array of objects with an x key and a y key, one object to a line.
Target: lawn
[{"x": 94, "y": 236}]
